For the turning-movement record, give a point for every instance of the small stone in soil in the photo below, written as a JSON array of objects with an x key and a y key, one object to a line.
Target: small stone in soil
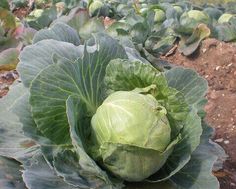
[
  {"x": 226, "y": 141},
  {"x": 219, "y": 140},
  {"x": 232, "y": 184},
  {"x": 213, "y": 95},
  {"x": 217, "y": 68},
  {"x": 204, "y": 50}
]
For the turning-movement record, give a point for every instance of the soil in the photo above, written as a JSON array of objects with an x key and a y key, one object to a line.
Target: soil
[
  {"x": 216, "y": 62},
  {"x": 6, "y": 79}
]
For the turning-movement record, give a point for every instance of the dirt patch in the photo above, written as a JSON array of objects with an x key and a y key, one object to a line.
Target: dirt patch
[
  {"x": 216, "y": 62},
  {"x": 6, "y": 79}
]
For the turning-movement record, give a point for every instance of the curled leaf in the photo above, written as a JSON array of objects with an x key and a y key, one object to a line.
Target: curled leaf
[{"x": 190, "y": 45}]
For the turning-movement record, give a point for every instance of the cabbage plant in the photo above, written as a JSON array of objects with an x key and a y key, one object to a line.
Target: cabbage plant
[
  {"x": 225, "y": 18},
  {"x": 98, "y": 116},
  {"x": 191, "y": 19}
]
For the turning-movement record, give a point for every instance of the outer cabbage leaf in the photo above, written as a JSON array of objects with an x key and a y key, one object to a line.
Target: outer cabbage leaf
[
  {"x": 23, "y": 110},
  {"x": 39, "y": 175},
  {"x": 79, "y": 169},
  {"x": 82, "y": 78},
  {"x": 43, "y": 19},
  {"x": 36, "y": 57},
  {"x": 198, "y": 171},
  {"x": 93, "y": 25},
  {"x": 10, "y": 175},
  {"x": 190, "y": 45},
  {"x": 77, "y": 161},
  {"x": 113, "y": 29},
  {"x": 190, "y": 139},
  {"x": 124, "y": 75},
  {"x": 196, "y": 174},
  {"x": 139, "y": 32},
  {"x": 145, "y": 185},
  {"x": 159, "y": 45},
  {"x": 59, "y": 32},
  {"x": 188, "y": 82},
  {"x": 13, "y": 143},
  {"x": 76, "y": 18}
]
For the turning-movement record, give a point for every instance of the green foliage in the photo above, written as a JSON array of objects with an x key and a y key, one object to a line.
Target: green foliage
[
  {"x": 189, "y": 45},
  {"x": 91, "y": 108},
  {"x": 154, "y": 18},
  {"x": 10, "y": 175},
  {"x": 159, "y": 15},
  {"x": 225, "y": 18},
  {"x": 4, "y": 4},
  {"x": 19, "y": 3},
  {"x": 7, "y": 19},
  {"x": 40, "y": 18},
  {"x": 65, "y": 137},
  {"x": 9, "y": 59}
]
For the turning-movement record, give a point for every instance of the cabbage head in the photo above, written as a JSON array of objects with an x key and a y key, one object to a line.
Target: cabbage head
[
  {"x": 178, "y": 9},
  {"x": 160, "y": 15},
  {"x": 225, "y": 18},
  {"x": 98, "y": 8},
  {"x": 131, "y": 129},
  {"x": 191, "y": 19}
]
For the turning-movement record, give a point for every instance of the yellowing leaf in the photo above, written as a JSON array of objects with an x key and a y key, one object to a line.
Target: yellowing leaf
[
  {"x": 9, "y": 59},
  {"x": 7, "y": 19}
]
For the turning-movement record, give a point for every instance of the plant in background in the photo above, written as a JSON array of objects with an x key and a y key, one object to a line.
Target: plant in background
[
  {"x": 98, "y": 116},
  {"x": 159, "y": 15},
  {"x": 98, "y": 8},
  {"x": 225, "y": 18},
  {"x": 191, "y": 19},
  {"x": 183, "y": 18},
  {"x": 13, "y": 36}
]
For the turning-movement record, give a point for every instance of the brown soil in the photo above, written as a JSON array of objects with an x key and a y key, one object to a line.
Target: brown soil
[
  {"x": 6, "y": 79},
  {"x": 216, "y": 62}
]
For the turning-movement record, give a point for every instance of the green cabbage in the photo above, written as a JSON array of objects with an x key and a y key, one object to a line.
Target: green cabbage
[
  {"x": 191, "y": 19},
  {"x": 121, "y": 114},
  {"x": 160, "y": 15},
  {"x": 96, "y": 114},
  {"x": 225, "y": 18}
]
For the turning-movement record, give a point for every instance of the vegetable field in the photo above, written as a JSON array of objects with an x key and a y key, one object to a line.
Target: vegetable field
[{"x": 108, "y": 94}]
